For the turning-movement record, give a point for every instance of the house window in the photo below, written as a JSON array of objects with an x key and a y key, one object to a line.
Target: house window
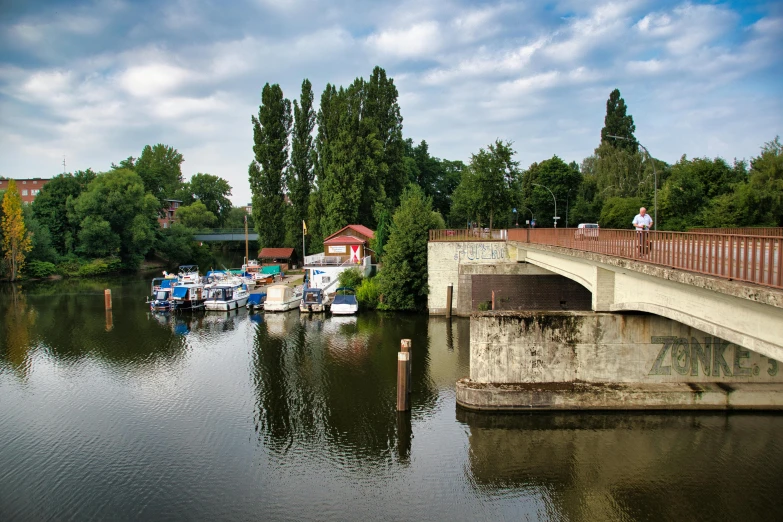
[
  {"x": 35, "y": 182},
  {"x": 24, "y": 192},
  {"x": 325, "y": 279},
  {"x": 24, "y": 182}
]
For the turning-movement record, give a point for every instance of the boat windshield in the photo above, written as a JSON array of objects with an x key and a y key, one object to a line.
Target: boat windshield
[
  {"x": 161, "y": 296},
  {"x": 311, "y": 297}
]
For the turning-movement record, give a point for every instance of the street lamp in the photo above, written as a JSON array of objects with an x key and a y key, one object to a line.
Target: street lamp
[
  {"x": 655, "y": 177},
  {"x": 553, "y": 197},
  {"x": 531, "y": 213}
]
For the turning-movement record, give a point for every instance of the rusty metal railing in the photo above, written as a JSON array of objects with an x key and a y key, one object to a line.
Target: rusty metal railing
[
  {"x": 473, "y": 234},
  {"x": 742, "y": 231},
  {"x": 750, "y": 258}
]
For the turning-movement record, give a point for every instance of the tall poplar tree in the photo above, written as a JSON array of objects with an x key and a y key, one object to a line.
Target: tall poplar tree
[
  {"x": 299, "y": 175},
  {"x": 16, "y": 240},
  {"x": 270, "y": 148},
  {"x": 618, "y": 123}
]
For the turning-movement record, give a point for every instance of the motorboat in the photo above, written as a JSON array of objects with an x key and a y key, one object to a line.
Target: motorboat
[
  {"x": 188, "y": 293},
  {"x": 256, "y": 301},
  {"x": 281, "y": 298},
  {"x": 313, "y": 301},
  {"x": 160, "y": 293},
  {"x": 226, "y": 295},
  {"x": 344, "y": 302}
]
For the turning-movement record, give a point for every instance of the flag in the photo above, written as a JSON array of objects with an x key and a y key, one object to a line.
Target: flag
[{"x": 304, "y": 227}]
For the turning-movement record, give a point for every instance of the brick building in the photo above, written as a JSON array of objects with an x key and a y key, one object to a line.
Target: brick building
[
  {"x": 167, "y": 217},
  {"x": 28, "y": 188}
]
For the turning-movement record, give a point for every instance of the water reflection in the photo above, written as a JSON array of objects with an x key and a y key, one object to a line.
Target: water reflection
[
  {"x": 331, "y": 382},
  {"x": 19, "y": 328},
  {"x": 630, "y": 466}
]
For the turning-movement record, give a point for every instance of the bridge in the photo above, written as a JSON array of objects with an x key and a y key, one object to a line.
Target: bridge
[
  {"x": 711, "y": 286},
  {"x": 225, "y": 234}
]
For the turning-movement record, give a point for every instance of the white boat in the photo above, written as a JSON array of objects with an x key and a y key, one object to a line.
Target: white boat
[
  {"x": 280, "y": 298},
  {"x": 344, "y": 302},
  {"x": 313, "y": 300},
  {"x": 227, "y": 295}
]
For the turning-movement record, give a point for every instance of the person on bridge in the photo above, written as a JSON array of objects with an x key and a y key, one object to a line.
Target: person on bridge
[{"x": 642, "y": 222}]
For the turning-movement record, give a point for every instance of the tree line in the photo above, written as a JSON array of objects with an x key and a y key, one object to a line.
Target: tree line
[{"x": 87, "y": 222}]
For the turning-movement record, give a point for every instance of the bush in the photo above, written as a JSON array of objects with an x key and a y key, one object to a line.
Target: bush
[
  {"x": 76, "y": 267},
  {"x": 352, "y": 278},
  {"x": 40, "y": 269},
  {"x": 367, "y": 293}
]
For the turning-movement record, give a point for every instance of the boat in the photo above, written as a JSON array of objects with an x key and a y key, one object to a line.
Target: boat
[
  {"x": 229, "y": 294},
  {"x": 160, "y": 298},
  {"x": 256, "y": 301},
  {"x": 188, "y": 293},
  {"x": 312, "y": 301},
  {"x": 281, "y": 298},
  {"x": 344, "y": 302}
]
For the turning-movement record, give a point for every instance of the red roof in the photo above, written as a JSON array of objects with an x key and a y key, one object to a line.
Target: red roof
[
  {"x": 345, "y": 240},
  {"x": 358, "y": 228},
  {"x": 276, "y": 253}
]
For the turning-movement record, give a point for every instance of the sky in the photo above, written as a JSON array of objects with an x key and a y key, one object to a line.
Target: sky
[{"x": 95, "y": 81}]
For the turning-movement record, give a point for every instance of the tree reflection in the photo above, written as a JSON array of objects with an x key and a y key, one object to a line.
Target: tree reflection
[{"x": 19, "y": 328}]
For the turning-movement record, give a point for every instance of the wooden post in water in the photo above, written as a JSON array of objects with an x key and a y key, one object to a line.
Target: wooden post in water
[
  {"x": 493, "y": 299},
  {"x": 403, "y": 369},
  {"x": 405, "y": 346},
  {"x": 107, "y": 298},
  {"x": 109, "y": 321},
  {"x": 449, "y": 290}
]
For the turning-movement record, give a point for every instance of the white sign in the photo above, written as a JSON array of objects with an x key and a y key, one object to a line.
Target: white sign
[{"x": 337, "y": 249}]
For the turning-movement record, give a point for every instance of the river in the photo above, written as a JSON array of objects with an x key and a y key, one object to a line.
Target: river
[{"x": 285, "y": 417}]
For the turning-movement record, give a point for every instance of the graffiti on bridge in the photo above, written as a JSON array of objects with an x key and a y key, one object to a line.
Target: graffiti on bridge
[
  {"x": 479, "y": 251},
  {"x": 712, "y": 355}
]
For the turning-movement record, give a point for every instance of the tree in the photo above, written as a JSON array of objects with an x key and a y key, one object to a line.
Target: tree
[
  {"x": 489, "y": 186},
  {"x": 196, "y": 216},
  {"x": 559, "y": 177},
  {"x": 16, "y": 240},
  {"x": 212, "y": 191},
  {"x": 403, "y": 280},
  {"x": 299, "y": 176},
  {"x": 160, "y": 169},
  {"x": 50, "y": 208},
  {"x": 236, "y": 219},
  {"x": 116, "y": 216},
  {"x": 270, "y": 137},
  {"x": 42, "y": 248},
  {"x": 619, "y": 212},
  {"x": 618, "y": 123},
  {"x": 766, "y": 181}
]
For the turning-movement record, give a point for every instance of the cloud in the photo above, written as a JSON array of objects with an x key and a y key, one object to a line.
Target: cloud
[
  {"x": 153, "y": 79},
  {"x": 417, "y": 41}
]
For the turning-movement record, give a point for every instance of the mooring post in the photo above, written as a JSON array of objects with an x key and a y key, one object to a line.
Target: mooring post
[
  {"x": 403, "y": 369},
  {"x": 109, "y": 320},
  {"x": 107, "y": 298},
  {"x": 449, "y": 290},
  {"x": 405, "y": 346},
  {"x": 493, "y": 299}
]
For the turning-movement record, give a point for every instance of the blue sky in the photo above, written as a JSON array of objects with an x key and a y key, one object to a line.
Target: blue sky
[{"x": 95, "y": 81}]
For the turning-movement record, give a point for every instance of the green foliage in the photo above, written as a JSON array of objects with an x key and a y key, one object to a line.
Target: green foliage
[
  {"x": 766, "y": 181},
  {"x": 40, "y": 269},
  {"x": 41, "y": 238},
  {"x": 618, "y": 123},
  {"x": 299, "y": 176},
  {"x": 378, "y": 242},
  {"x": 403, "y": 280},
  {"x": 236, "y": 219},
  {"x": 176, "y": 245},
  {"x": 74, "y": 266},
  {"x": 51, "y": 211},
  {"x": 350, "y": 278},
  {"x": 160, "y": 169},
  {"x": 562, "y": 179},
  {"x": 16, "y": 239},
  {"x": 116, "y": 216},
  {"x": 368, "y": 292},
  {"x": 270, "y": 137},
  {"x": 484, "y": 306},
  {"x": 212, "y": 191},
  {"x": 196, "y": 216},
  {"x": 619, "y": 212}
]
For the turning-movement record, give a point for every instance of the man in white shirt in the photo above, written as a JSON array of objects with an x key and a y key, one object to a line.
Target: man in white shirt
[{"x": 642, "y": 222}]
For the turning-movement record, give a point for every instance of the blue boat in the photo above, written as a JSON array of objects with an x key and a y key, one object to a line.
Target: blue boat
[
  {"x": 256, "y": 301},
  {"x": 160, "y": 300}
]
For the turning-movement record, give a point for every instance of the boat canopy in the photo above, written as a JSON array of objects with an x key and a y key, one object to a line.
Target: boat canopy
[
  {"x": 271, "y": 270},
  {"x": 256, "y": 299},
  {"x": 180, "y": 292},
  {"x": 166, "y": 283}
]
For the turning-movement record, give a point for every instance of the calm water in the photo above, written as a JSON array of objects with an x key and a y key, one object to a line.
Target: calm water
[{"x": 282, "y": 417}]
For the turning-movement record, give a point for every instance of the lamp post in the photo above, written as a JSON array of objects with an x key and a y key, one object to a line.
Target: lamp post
[
  {"x": 655, "y": 177},
  {"x": 531, "y": 213},
  {"x": 553, "y": 197}
]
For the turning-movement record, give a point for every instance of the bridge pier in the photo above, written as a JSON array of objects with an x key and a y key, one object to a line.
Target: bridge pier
[{"x": 605, "y": 361}]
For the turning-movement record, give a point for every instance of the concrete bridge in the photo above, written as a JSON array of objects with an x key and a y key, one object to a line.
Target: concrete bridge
[
  {"x": 720, "y": 287},
  {"x": 225, "y": 234}
]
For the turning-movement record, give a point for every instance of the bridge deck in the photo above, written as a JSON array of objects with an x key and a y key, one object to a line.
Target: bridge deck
[{"x": 745, "y": 257}]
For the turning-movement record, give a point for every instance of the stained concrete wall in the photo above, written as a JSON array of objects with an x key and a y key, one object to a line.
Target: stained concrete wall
[
  {"x": 456, "y": 263},
  {"x": 588, "y": 347}
]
